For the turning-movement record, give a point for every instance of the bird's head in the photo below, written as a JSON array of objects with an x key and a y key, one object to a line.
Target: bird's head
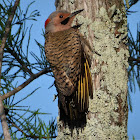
[{"x": 60, "y": 20}]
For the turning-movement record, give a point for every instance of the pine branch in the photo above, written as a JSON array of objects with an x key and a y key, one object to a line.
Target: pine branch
[
  {"x": 131, "y": 59},
  {"x": 30, "y": 136},
  {"x": 33, "y": 77},
  {"x": 20, "y": 61},
  {"x": 4, "y": 122},
  {"x": 7, "y": 30}
]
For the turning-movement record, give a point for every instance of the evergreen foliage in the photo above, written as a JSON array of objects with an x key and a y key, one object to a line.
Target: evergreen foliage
[{"x": 22, "y": 121}]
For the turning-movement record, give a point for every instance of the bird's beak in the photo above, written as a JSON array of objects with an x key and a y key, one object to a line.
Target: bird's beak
[
  {"x": 76, "y": 12},
  {"x": 64, "y": 22}
]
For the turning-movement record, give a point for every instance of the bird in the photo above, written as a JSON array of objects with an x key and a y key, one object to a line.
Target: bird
[{"x": 68, "y": 53}]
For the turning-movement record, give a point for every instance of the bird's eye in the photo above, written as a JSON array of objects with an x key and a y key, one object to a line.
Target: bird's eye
[{"x": 61, "y": 16}]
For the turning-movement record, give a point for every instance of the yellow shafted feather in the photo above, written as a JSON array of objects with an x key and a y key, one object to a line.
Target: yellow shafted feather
[
  {"x": 83, "y": 91},
  {"x": 86, "y": 79},
  {"x": 79, "y": 90},
  {"x": 89, "y": 77}
]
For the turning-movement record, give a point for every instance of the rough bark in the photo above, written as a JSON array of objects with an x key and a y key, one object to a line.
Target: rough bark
[{"x": 105, "y": 26}]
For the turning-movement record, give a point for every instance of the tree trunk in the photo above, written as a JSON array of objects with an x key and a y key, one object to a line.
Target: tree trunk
[{"x": 105, "y": 26}]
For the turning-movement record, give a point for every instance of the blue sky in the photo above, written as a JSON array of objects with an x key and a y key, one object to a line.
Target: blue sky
[
  {"x": 134, "y": 118},
  {"x": 43, "y": 98}
]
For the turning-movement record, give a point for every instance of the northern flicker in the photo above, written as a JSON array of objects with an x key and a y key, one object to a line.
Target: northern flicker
[{"x": 68, "y": 54}]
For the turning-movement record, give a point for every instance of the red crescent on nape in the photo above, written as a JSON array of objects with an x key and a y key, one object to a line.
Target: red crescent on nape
[{"x": 47, "y": 21}]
